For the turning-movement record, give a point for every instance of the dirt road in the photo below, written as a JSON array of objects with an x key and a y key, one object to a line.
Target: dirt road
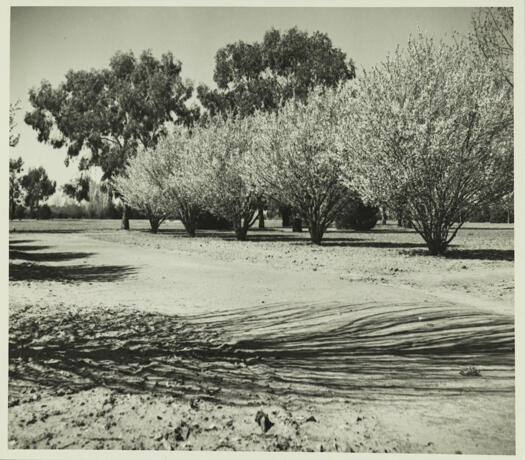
[{"x": 337, "y": 364}]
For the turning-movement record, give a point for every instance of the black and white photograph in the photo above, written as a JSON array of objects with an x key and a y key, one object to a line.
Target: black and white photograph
[{"x": 255, "y": 227}]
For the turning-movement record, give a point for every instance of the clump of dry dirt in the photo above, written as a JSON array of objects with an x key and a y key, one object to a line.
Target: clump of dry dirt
[{"x": 103, "y": 419}]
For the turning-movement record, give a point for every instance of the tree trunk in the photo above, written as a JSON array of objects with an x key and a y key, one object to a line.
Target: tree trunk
[
  {"x": 189, "y": 226},
  {"x": 436, "y": 237},
  {"x": 188, "y": 217},
  {"x": 383, "y": 215},
  {"x": 316, "y": 234},
  {"x": 261, "y": 216},
  {"x": 124, "y": 223},
  {"x": 436, "y": 248},
  {"x": 297, "y": 225},
  {"x": 240, "y": 233},
  {"x": 154, "y": 223},
  {"x": 285, "y": 212},
  {"x": 242, "y": 225}
]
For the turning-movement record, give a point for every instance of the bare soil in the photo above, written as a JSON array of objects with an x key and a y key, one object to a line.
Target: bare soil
[{"x": 128, "y": 340}]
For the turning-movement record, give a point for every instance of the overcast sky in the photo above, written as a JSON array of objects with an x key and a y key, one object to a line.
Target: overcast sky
[{"x": 48, "y": 41}]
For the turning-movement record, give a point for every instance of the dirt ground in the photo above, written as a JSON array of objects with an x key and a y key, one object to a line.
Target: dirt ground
[{"x": 128, "y": 340}]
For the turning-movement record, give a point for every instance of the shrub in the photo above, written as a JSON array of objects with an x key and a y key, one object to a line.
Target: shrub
[
  {"x": 20, "y": 212},
  {"x": 44, "y": 212},
  {"x": 208, "y": 221},
  {"x": 357, "y": 216}
]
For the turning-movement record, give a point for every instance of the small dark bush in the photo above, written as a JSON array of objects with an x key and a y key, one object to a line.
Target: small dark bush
[
  {"x": 357, "y": 216},
  {"x": 20, "y": 212},
  {"x": 44, "y": 212},
  {"x": 134, "y": 213},
  {"x": 470, "y": 372},
  {"x": 209, "y": 221}
]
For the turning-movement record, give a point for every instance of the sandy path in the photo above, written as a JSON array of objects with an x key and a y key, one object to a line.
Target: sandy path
[
  {"x": 174, "y": 282},
  {"x": 178, "y": 283},
  {"x": 58, "y": 271}
]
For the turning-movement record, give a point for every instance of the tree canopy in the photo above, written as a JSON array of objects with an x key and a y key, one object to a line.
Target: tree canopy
[
  {"x": 260, "y": 76},
  {"x": 108, "y": 113},
  {"x": 37, "y": 186},
  {"x": 13, "y": 138},
  {"x": 493, "y": 39}
]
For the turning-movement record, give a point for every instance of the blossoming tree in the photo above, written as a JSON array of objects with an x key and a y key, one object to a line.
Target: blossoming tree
[
  {"x": 165, "y": 180},
  {"x": 434, "y": 126},
  {"x": 221, "y": 149},
  {"x": 297, "y": 158},
  {"x": 138, "y": 189}
]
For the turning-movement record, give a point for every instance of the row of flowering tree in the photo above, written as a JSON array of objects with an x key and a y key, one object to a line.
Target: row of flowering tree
[{"x": 431, "y": 125}]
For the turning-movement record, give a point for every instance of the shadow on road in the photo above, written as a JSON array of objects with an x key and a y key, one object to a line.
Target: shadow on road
[
  {"x": 48, "y": 256},
  {"x": 479, "y": 254},
  {"x": 367, "y": 351},
  {"x": 15, "y": 242},
  {"x": 69, "y": 273},
  {"x": 30, "y": 271},
  {"x": 370, "y": 244},
  {"x": 26, "y": 247},
  {"x": 301, "y": 239}
]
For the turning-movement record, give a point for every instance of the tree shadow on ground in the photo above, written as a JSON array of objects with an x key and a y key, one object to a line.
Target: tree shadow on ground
[
  {"x": 254, "y": 236},
  {"x": 48, "y": 256},
  {"x": 363, "y": 352},
  {"x": 28, "y": 247},
  {"x": 56, "y": 230},
  {"x": 499, "y": 229},
  {"x": 28, "y": 271},
  {"x": 14, "y": 242},
  {"x": 369, "y": 244},
  {"x": 390, "y": 230},
  {"x": 482, "y": 254},
  {"x": 303, "y": 238},
  {"x": 474, "y": 254},
  {"x": 166, "y": 231},
  {"x": 69, "y": 273}
]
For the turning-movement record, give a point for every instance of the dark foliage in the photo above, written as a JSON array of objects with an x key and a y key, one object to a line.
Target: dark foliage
[
  {"x": 259, "y": 76},
  {"x": 208, "y": 221},
  {"x": 357, "y": 216},
  {"x": 44, "y": 212},
  {"x": 37, "y": 188}
]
